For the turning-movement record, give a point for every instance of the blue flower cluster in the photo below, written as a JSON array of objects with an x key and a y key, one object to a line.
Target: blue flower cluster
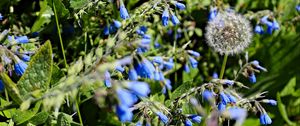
[
  {"x": 192, "y": 118},
  {"x": 128, "y": 95},
  {"x": 271, "y": 25},
  {"x": 112, "y": 28},
  {"x": 250, "y": 70},
  {"x": 165, "y": 15},
  {"x": 192, "y": 61}
]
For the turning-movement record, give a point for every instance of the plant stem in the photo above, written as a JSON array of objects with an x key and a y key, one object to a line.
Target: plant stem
[
  {"x": 78, "y": 112},
  {"x": 223, "y": 66},
  {"x": 59, "y": 35},
  {"x": 6, "y": 95}
]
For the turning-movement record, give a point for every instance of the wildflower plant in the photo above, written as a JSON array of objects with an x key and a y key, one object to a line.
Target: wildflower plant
[{"x": 126, "y": 62}]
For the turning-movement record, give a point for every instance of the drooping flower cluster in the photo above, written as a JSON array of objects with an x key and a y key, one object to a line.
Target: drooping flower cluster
[
  {"x": 271, "y": 24},
  {"x": 165, "y": 15}
]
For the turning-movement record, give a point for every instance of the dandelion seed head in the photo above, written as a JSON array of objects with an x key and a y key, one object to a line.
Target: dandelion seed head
[{"x": 228, "y": 33}]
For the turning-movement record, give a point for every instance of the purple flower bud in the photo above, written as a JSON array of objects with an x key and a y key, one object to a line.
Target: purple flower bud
[
  {"x": 162, "y": 117},
  {"x": 175, "y": 20},
  {"x": 265, "y": 119},
  {"x": 124, "y": 113},
  {"x": 123, "y": 12},
  {"x": 165, "y": 17}
]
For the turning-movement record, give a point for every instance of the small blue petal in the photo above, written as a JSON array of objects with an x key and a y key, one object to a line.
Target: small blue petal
[
  {"x": 162, "y": 117},
  {"x": 123, "y": 12},
  {"x": 175, "y": 20},
  {"x": 265, "y": 119},
  {"x": 165, "y": 17},
  {"x": 180, "y": 6},
  {"x": 188, "y": 122},
  {"x": 141, "y": 89},
  {"x": 124, "y": 114},
  {"x": 20, "y": 67},
  {"x": 117, "y": 24}
]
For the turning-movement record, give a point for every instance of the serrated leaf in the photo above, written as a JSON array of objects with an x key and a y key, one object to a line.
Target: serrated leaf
[
  {"x": 78, "y": 4},
  {"x": 289, "y": 88},
  {"x": 38, "y": 73}
]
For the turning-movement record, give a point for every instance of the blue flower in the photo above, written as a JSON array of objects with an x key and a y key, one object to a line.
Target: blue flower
[
  {"x": 193, "y": 62},
  {"x": 207, "y": 95},
  {"x": 107, "y": 81},
  {"x": 25, "y": 58},
  {"x": 117, "y": 24},
  {"x": 194, "y": 53},
  {"x": 145, "y": 69},
  {"x": 123, "y": 12},
  {"x": 265, "y": 119},
  {"x": 162, "y": 117},
  {"x": 256, "y": 64},
  {"x": 22, "y": 39},
  {"x": 195, "y": 118},
  {"x": 224, "y": 98},
  {"x": 212, "y": 13},
  {"x": 106, "y": 30},
  {"x": 124, "y": 114},
  {"x": 139, "y": 123},
  {"x": 158, "y": 59},
  {"x": 145, "y": 41},
  {"x": 252, "y": 77},
  {"x": 275, "y": 25},
  {"x": 141, "y": 89},
  {"x": 221, "y": 106},
  {"x": 1, "y": 86},
  {"x": 270, "y": 101},
  {"x": 180, "y": 6},
  {"x": 120, "y": 69},
  {"x": 186, "y": 68},
  {"x": 168, "y": 65},
  {"x": 237, "y": 113},
  {"x": 167, "y": 86},
  {"x": 298, "y": 8},
  {"x": 132, "y": 75},
  {"x": 20, "y": 67},
  {"x": 232, "y": 99},
  {"x": 165, "y": 17},
  {"x": 264, "y": 20},
  {"x": 157, "y": 45},
  {"x": 188, "y": 122},
  {"x": 258, "y": 29},
  {"x": 1, "y": 17},
  {"x": 142, "y": 30},
  {"x": 228, "y": 82},
  {"x": 126, "y": 97},
  {"x": 175, "y": 20},
  {"x": 215, "y": 75}
]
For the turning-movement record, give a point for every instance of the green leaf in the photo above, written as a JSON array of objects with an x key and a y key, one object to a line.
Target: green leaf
[
  {"x": 60, "y": 8},
  {"x": 20, "y": 117},
  {"x": 44, "y": 16},
  {"x": 282, "y": 110},
  {"x": 184, "y": 88},
  {"x": 11, "y": 88},
  {"x": 78, "y": 4},
  {"x": 57, "y": 74},
  {"x": 289, "y": 88},
  {"x": 39, "y": 118},
  {"x": 38, "y": 73}
]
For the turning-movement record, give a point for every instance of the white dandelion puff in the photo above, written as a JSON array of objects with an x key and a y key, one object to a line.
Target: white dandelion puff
[{"x": 228, "y": 33}]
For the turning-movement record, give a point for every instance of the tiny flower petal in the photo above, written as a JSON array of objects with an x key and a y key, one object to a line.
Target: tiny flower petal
[
  {"x": 123, "y": 12},
  {"x": 175, "y": 20},
  {"x": 162, "y": 117},
  {"x": 165, "y": 17}
]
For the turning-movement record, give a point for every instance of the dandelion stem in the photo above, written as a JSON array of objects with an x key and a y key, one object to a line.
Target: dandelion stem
[
  {"x": 223, "y": 66},
  {"x": 59, "y": 35},
  {"x": 78, "y": 112}
]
